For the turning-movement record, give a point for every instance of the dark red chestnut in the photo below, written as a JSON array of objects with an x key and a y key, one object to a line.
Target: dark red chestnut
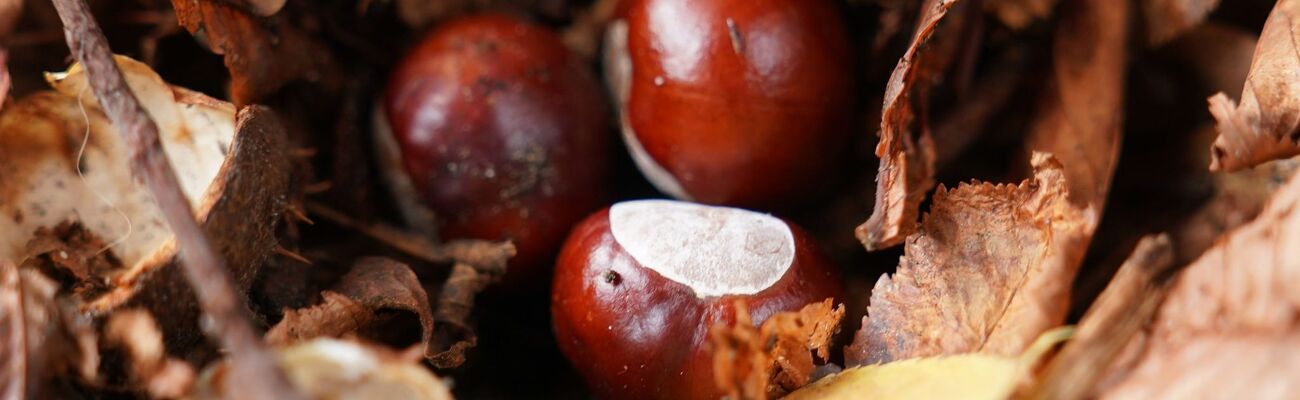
[
  {"x": 739, "y": 102},
  {"x": 638, "y": 285},
  {"x": 502, "y": 132}
]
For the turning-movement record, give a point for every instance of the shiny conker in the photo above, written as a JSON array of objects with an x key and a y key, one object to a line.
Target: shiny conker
[
  {"x": 639, "y": 284},
  {"x": 502, "y": 132},
  {"x": 737, "y": 102}
]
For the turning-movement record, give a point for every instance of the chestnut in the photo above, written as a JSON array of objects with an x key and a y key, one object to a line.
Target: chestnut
[
  {"x": 736, "y": 102},
  {"x": 502, "y": 132},
  {"x": 638, "y": 285}
]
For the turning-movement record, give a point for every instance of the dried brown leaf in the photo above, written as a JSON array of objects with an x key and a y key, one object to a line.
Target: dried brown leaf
[
  {"x": 905, "y": 149},
  {"x": 1266, "y": 124},
  {"x": 454, "y": 335},
  {"x": 1080, "y": 111},
  {"x": 1166, "y": 19},
  {"x": 770, "y": 361},
  {"x": 1228, "y": 326},
  {"x": 988, "y": 272},
  {"x": 262, "y": 54},
  {"x": 137, "y": 333},
  {"x": 1121, "y": 312},
  {"x": 372, "y": 285}
]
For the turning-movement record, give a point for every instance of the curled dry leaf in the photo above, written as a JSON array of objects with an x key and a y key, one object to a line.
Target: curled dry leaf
[
  {"x": 966, "y": 376},
  {"x": 1166, "y": 19},
  {"x": 1266, "y": 124},
  {"x": 454, "y": 335},
  {"x": 1227, "y": 328},
  {"x": 235, "y": 174},
  {"x": 770, "y": 361},
  {"x": 372, "y": 285},
  {"x": 262, "y": 54},
  {"x": 327, "y": 368},
  {"x": 988, "y": 272},
  {"x": 137, "y": 333},
  {"x": 44, "y": 336},
  {"x": 905, "y": 149},
  {"x": 1080, "y": 113},
  {"x": 1118, "y": 315}
]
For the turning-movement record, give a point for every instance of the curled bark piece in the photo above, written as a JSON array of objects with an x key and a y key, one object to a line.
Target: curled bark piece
[
  {"x": 454, "y": 335},
  {"x": 989, "y": 271},
  {"x": 1266, "y": 124},
  {"x": 906, "y": 152},
  {"x": 1227, "y": 327},
  {"x": 775, "y": 359}
]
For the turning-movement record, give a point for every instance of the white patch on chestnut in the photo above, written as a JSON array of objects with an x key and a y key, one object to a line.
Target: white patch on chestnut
[{"x": 715, "y": 251}]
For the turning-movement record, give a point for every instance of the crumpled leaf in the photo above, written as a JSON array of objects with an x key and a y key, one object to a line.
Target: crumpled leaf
[
  {"x": 44, "y": 336},
  {"x": 1166, "y": 19},
  {"x": 326, "y": 368},
  {"x": 905, "y": 149},
  {"x": 454, "y": 335},
  {"x": 372, "y": 285},
  {"x": 966, "y": 376},
  {"x": 137, "y": 333},
  {"x": 760, "y": 362},
  {"x": 1080, "y": 113},
  {"x": 1227, "y": 327},
  {"x": 262, "y": 54},
  {"x": 1266, "y": 124},
  {"x": 989, "y": 271},
  {"x": 1018, "y": 14}
]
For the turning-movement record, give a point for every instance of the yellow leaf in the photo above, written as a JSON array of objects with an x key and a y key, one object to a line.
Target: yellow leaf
[{"x": 966, "y": 376}]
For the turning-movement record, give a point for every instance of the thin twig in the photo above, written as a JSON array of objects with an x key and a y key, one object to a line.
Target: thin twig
[
  {"x": 485, "y": 256},
  {"x": 256, "y": 370}
]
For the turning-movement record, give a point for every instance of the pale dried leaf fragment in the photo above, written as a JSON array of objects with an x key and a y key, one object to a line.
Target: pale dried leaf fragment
[
  {"x": 336, "y": 315},
  {"x": 1265, "y": 125},
  {"x": 326, "y": 368},
  {"x": 1166, "y": 19},
  {"x": 1081, "y": 109},
  {"x": 989, "y": 270},
  {"x": 905, "y": 149},
  {"x": 137, "y": 333},
  {"x": 772, "y": 360},
  {"x": 1227, "y": 328}
]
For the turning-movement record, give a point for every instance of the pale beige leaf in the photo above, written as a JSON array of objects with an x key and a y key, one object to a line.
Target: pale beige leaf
[
  {"x": 1166, "y": 19},
  {"x": 1265, "y": 125}
]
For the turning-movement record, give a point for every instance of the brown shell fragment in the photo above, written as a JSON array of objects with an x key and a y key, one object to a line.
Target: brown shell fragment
[
  {"x": 1265, "y": 125},
  {"x": 988, "y": 272},
  {"x": 232, "y": 166}
]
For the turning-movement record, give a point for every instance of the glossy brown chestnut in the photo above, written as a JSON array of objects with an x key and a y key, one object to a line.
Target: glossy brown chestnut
[
  {"x": 738, "y": 102},
  {"x": 502, "y": 132},
  {"x": 638, "y": 285}
]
